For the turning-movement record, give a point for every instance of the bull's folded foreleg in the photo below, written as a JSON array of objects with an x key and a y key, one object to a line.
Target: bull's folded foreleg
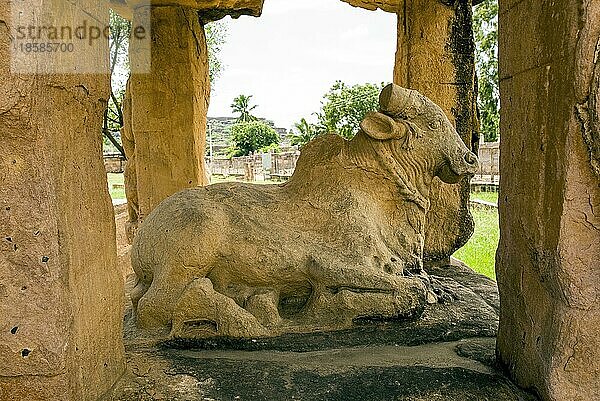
[
  {"x": 203, "y": 312},
  {"x": 344, "y": 294},
  {"x": 344, "y": 308},
  {"x": 335, "y": 277},
  {"x": 138, "y": 292}
]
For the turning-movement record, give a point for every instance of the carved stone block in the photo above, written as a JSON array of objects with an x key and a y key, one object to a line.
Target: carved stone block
[{"x": 341, "y": 241}]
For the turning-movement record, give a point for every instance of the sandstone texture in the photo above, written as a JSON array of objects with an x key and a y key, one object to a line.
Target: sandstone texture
[
  {"x": 436, "y": 57},
  {"x": 549, "y": 254},
  {"x": 130, "y": 172},
  {"x": 392, "y": 6},
  {"x": 123, "y": 244},
  {"x": 340, "y": 242},
  {"x": 165, "y": 121},
  {"x": 61, "y": 296},
  {"x": 209, "y": 10}
]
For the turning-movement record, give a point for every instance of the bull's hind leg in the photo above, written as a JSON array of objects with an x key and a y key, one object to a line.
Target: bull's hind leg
[
  {"x": 263, "y": 305},
  {"x": 346, "y": 294},
  {"x": 202, "y": 312},
  {"x": 154, "y": 307},
  {"x": 138, "y": 292}
]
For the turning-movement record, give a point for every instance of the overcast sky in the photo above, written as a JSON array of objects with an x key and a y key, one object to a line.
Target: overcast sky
[{"x": 290, "y": 56}]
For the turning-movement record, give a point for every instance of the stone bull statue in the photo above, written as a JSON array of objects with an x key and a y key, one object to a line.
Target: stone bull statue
[{"x": 341, "y": 241}]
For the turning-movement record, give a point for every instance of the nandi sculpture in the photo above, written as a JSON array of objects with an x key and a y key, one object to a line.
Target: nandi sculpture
[{"x": 341, "y": 240}]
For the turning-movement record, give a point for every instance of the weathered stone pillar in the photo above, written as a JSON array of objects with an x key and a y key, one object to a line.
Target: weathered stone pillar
[
  {"x": 169, "y": 106},
  {"x": 436, "y": 56},
  {"x": 548, "y": 261},
  {"x": 61, "y": 296}
]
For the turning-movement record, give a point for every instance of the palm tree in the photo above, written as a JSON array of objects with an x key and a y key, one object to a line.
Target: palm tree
[
  {"x": 304, "y": 133},
  {"x": 241, "y": 105}
]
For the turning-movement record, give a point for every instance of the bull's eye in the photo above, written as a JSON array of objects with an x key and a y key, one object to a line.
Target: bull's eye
[{"x": 434, "y": 125}]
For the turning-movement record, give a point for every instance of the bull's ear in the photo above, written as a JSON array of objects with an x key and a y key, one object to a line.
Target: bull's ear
[{"x": 379, "y": 126}]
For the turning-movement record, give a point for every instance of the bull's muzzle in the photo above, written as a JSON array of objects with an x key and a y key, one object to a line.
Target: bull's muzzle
[
  {"x": 456, "y": 169},
  {"x": 471, "y": 162},
  {"x": 466, "y": 165}
]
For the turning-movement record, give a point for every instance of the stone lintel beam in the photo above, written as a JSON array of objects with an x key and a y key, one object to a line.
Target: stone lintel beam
[
  {"x": 391, "y": 6},
  {"x": 209, "y": 10},
  {"x": 121, "y": 8}
]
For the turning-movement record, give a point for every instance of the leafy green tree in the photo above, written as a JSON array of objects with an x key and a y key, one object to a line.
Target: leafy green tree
[
  {"x": 344, "y": 107},
  {"x": 485, "y": 25},
  {"x": 250, "y": 137},
  {"x": 303, "y": 132},
  {"x": 241, "y": 105},
  {"x": 120, "y": 31},
  {"x": 216, "y": 36}
]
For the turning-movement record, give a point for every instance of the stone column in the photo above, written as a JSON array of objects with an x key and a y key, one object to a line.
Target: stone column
[
  {"x": 61, "y": 296},
  {"x": 169, "y": 105},
  {"x": 548, "y": 261},
  {"x": 435, "y": 55},
  {"x": 130, "y": 173}
]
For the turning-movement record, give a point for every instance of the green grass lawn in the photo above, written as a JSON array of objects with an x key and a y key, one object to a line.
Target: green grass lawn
[
  {"x": 486, "y": 196},
  {"x": 116, "y": 179},
  {"x": 480, "y": 252}
]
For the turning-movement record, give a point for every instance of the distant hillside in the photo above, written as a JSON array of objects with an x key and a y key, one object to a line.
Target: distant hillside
[
  {"x": 218, "y": 133},
  {"x": 218, "y": 129}
]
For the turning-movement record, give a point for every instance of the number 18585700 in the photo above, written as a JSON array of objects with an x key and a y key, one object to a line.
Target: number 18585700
[{"x": 48, "y": 47}]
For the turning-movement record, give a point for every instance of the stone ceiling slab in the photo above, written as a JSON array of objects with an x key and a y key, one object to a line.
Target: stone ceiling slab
[
  {"x": 391, "y": 6},
  {"x": 210, "y": 10}
]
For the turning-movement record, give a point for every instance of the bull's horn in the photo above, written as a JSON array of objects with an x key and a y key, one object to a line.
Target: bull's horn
[{"x": 396, "y": 100}]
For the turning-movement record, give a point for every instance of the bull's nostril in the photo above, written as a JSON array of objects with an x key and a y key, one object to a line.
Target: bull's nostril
[{"x": 470, "y": 158}]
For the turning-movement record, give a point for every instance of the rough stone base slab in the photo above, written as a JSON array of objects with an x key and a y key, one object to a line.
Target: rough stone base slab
[
  {"x": 449, "y": 354},
  {"x": 429, "y": 372}
]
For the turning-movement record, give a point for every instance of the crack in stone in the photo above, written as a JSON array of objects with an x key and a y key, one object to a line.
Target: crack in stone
[
  {"x": 588, "y": 115},
  {"x": 572, "y": 356},
  {"x": 191, "y": 27},
  {"x": 590, "y": 223}
]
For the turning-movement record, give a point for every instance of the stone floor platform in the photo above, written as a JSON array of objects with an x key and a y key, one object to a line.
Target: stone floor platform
[
  {"x": 447, "y": 354},
  {"x": 459, "y": 370}
]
